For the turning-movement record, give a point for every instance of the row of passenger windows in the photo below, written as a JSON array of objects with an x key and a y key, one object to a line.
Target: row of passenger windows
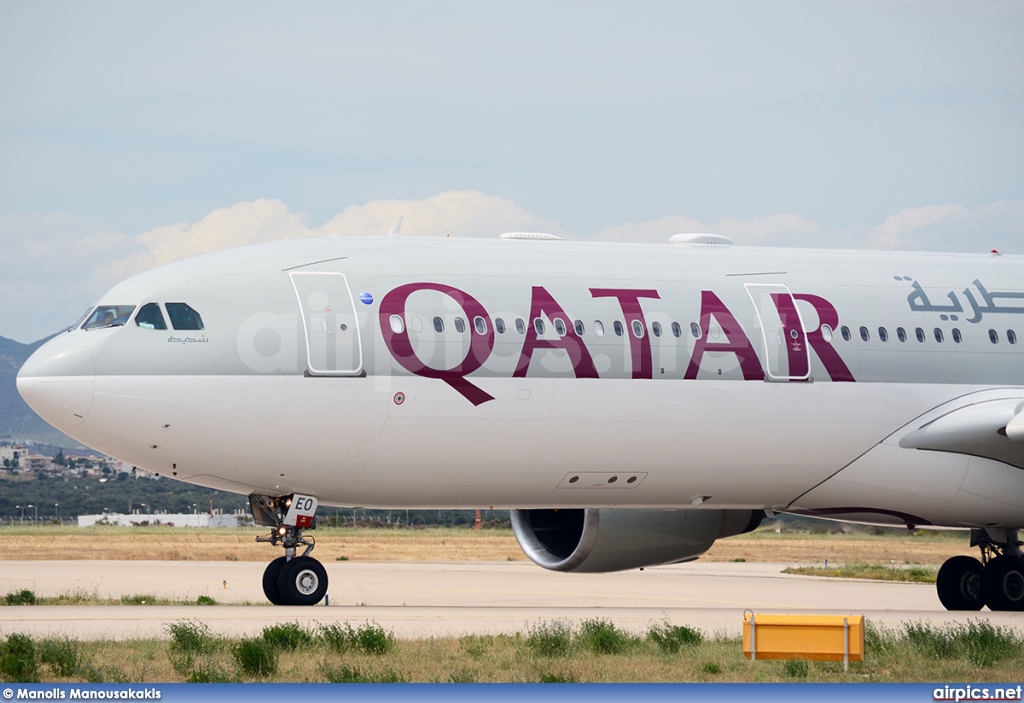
[
  {"x": 560, "y": 327},
  {"x": 656, "y": 329},
  {"x": 919, "y": 334},
  {"x": 150, "y": 316}
]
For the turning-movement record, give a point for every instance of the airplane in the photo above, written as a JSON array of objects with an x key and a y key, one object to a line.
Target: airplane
[{"x": 628, "y": 403}]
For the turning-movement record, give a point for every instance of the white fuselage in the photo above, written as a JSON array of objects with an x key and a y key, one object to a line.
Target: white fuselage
[{"x": 403, "y": 372}]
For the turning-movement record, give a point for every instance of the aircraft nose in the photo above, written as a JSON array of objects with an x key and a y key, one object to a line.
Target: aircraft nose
[{"x": 57, "y": 382}]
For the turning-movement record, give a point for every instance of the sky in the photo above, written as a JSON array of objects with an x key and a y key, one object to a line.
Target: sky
[{"x": 134, "y": 134}]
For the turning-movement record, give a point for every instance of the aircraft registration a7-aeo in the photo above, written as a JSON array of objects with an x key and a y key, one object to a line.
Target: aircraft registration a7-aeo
[{"x": 629, "y": 403}]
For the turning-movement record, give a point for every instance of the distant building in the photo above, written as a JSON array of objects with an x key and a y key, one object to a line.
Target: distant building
[
  {"x": 13, "y": 454},
  {"x": 36, "y": 462}
]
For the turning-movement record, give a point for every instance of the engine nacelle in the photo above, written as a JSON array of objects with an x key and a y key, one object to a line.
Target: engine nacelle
[{"x": 605, "y": 539}]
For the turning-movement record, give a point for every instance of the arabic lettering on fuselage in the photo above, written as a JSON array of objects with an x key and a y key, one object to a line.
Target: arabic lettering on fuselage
[
  {"x": 982, "y": 304},
  {"x": 188, "y": 340},
  {"x": 733, "y": 339}
]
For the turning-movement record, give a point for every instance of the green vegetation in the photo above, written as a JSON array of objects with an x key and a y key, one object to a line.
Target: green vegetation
[
  {"x": 551, "y": 652},
  {"x": 673, "y": 638},
  {"x": 120, "y": 493},
  {"x": 78, "y": 495},
  {"x": 18, "y": 659},
  {"x": 977, "y": 642},
  {"x": 23, "y": 597},
  {"x": 27, "y": 597},
  {"x": 289, "y": 635},
  {"x": 256, "y": 657},
  {"x": 877, "y": 572}
]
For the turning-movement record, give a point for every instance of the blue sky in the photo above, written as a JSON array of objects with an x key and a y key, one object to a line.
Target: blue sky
[{"x": 132, "y": 134}]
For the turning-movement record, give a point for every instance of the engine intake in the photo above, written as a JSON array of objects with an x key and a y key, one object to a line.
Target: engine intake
[{"x": 598, "y": 540}]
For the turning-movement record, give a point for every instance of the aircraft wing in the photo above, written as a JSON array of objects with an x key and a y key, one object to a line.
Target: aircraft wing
[{"x": 992, "y": 429}]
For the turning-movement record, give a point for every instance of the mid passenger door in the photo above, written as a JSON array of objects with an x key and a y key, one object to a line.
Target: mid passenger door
[
  {"x": 329, "y": 323},
  {"x": 783, "y": 338}
]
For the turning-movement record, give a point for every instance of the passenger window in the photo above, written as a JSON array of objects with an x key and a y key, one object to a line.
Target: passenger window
[
  {"x": 956, "y": 336},
  {"x": 499, "y": 325},
  {"x": 846, "y": 332},
  {"x": 938, "y": 335},
  {"x": 920, "y": 335},
  {"x": 460, "y": 325},
  {"x": 578, "y": 326},
  {"x": 150, "y": 317},
  {"x": 656, "y": 329},
  {"x": 183, "y": 317},
  {"x": 1011, "y": 336},
  {"x": 109, "y": 316},
  {"x": 538, "y": 324},
  {"x": 993, "y": 336},
  {"x": 826, "y": 333},
  {"x": 598, "y": 328},
  {"x": 397, "y": 324},
  {"x": 883, "y": 334},
  {"x": 617, "y": 326},
  {"x": 638, "y": 329},
  {"x": 520, "y": 326},
  {"x": 559, "y": 327},
  {"x": 864, "y": 334},
  {"x": 480, "y": 325},
  {"x": 677, "y": 329},
  {"x": 901, "y": 334},
  {"x": 439, "y": 325}
]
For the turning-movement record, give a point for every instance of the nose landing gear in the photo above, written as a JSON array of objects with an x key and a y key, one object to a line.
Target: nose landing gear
[
  {"x": 964, "y": 583},
  {"x": 291, "y": 579}
]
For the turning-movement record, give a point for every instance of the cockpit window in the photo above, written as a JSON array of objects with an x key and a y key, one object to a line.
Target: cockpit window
[
  {"x": 108, "y": 316},
  {"x": 150, "y": 317},
  {"x": 184, "y": 317},
  {"x": 80, "y": 320}
]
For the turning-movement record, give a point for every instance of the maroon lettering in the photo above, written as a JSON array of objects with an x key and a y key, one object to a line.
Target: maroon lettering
[
  {"x": 400, "y": 346},
  {"x": 830, "y": 359},
  {"x": 640, "y": 347},
  {"x": 736, "y": 340},
  {"x": 793, "y": 331},
  {"x": 543, "y": 304}
]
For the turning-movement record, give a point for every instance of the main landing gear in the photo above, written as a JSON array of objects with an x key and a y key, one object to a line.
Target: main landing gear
[
  {"x": 997, "y": 580},
  {"x": 291, "y": 579}
]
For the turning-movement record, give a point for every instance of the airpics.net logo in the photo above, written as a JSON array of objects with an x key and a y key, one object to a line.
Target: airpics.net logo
[{"x": 978, "y": 693}]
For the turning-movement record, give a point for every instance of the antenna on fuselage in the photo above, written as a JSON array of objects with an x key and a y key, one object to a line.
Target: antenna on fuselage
[{"x": 397, "y": 227}]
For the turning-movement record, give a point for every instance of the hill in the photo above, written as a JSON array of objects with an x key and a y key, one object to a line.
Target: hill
[{"x": 16, "y": 418}]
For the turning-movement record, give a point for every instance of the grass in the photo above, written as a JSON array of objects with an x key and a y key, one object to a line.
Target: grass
[
  {"x": 53, "y": 542},
  {"x": 549, "y": 651},
  {"x": 27, "y": 597},
  {"x": 876, "y": 572}
]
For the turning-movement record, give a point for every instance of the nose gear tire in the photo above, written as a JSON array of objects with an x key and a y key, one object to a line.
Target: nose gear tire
[{"x": 302, "y": 581}]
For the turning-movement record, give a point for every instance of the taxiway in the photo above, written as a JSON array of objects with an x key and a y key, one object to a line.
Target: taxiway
[{"x": 434, "y": 599}]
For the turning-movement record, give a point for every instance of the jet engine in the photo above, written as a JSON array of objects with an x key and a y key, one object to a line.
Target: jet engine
[{"x": 605, "y": 539}]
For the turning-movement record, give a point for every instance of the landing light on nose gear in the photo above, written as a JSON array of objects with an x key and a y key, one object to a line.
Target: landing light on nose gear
[
  {"x": 965, "y": 583},
  {"x": 291, "y": 579}
]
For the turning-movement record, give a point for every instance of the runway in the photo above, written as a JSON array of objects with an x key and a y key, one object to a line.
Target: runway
[{"x": 419, "y": 600}]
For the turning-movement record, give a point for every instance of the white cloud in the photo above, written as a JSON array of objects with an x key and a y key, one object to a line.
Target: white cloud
[
  {"x": 244, "y": 223},
  {"x": 998, "y": 225},
  {"x": 52, "y": 270},
  {"x": 774, "y": 229},
  {"x": 461, "y": 213},
  {"x": 890, "y": 234},
  {"x": 63, "y": 263}
]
